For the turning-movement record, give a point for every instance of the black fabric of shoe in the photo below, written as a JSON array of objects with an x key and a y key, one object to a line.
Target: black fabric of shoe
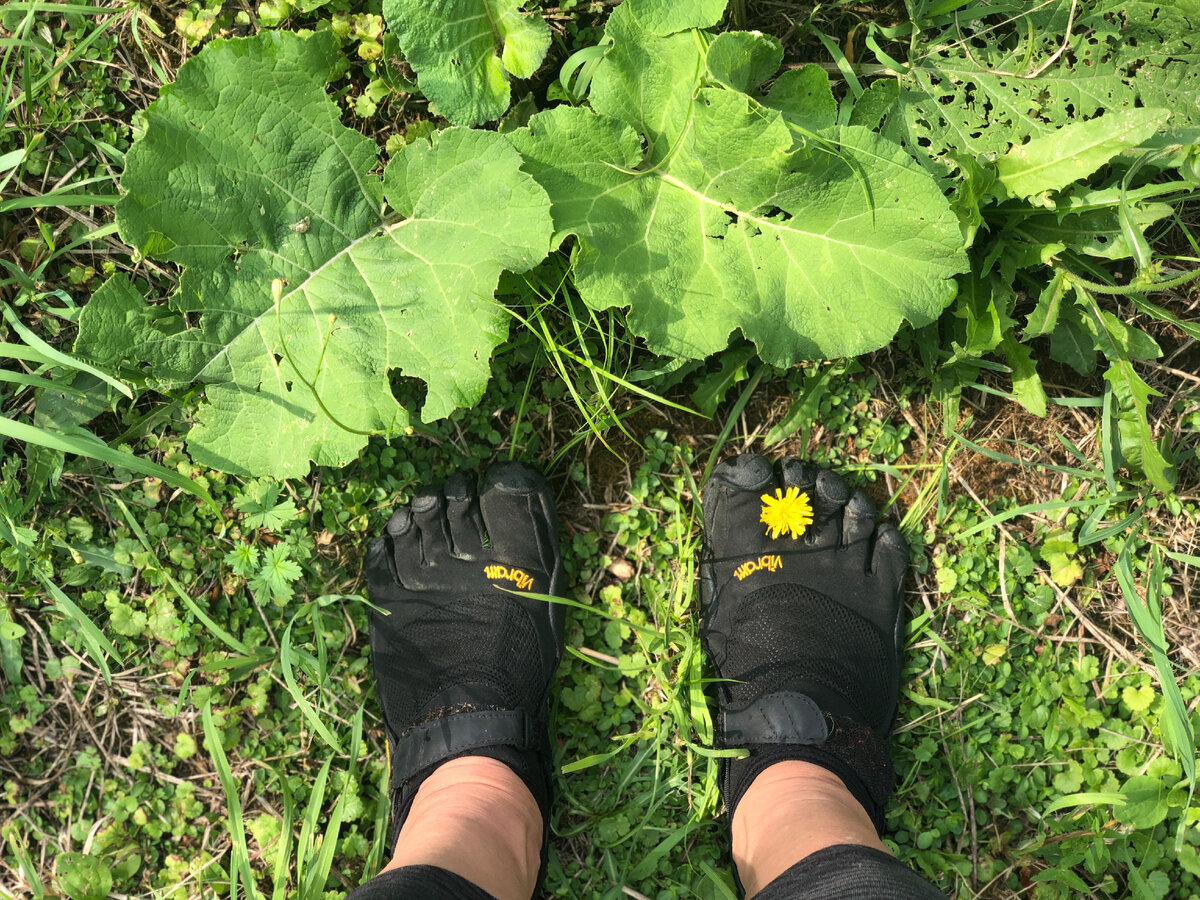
[
  {"x": 462, "y": 666},
  {"x": 804, "y": 628}
]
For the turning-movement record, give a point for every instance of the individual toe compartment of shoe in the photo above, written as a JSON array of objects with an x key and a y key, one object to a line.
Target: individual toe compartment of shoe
[
  {"x": 429, "y": 512},
  {"x": 830, "y": 495},
  {"x": 889, "y": 557},
  {"x": 403, "y": 538},
  {"x": 889, "y": 566},
  {"x": 463, "y": 516},
  {"x": 797, "y": 473},
  {"x": 518, "y": 513},
  {"x": 732, "y": 503},
  {"x": 858, "y": 522},
  {"x": 379, "y": 569}
]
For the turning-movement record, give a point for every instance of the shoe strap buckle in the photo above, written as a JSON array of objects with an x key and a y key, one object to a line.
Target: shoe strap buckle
[
  {"x": 785, "y": 717},
  {"x": 424, "y": 745}
]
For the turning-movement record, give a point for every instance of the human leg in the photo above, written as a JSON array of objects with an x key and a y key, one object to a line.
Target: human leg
[
  {"x": 773, "y": 826},
  {"x": 473, "y": 816}
]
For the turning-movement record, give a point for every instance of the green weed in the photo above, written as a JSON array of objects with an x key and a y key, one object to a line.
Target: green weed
[{"x": 186, "y": 702}]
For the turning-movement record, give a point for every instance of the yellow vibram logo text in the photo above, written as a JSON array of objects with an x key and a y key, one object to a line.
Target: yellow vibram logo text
[
  {"x": 523, "y": 581},
  {"x": 770, "y": 562}
]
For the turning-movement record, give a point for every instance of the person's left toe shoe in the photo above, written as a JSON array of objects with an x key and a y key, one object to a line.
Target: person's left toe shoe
[{"x": 462, "y": 665}]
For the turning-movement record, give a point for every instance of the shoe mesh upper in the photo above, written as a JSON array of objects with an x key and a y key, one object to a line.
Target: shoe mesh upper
[
  {"x": 483, "y": 645},
  {"x": 790, "y": 638}
]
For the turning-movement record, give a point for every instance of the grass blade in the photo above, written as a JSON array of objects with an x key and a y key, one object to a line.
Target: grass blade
[
  {"x": 311, "y": 827},
  {"x": 87, "y": 444},
  {"x": 284, "y": 857},
  {"x": 731, "y": 420},
  {"x": 289, "y": 678},
  {"x": 93, "y": 638},
  {"x": 1146, "y": 616},
  {"x": 240, "y": 862},
  {"x": 1043, "y": 507},
  {"x": 314, "y": 883},
  {"x": 50, "y": 355}
]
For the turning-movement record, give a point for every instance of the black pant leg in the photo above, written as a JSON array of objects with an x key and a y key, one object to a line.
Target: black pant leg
[
  {"x": 849, "y": 872},
  {"x": 419, "y": 883}
]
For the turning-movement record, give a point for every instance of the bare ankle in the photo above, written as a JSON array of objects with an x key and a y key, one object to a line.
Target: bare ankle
[
  {"x": 476, "y": 818},
  {"x": 791, "y": 810}
]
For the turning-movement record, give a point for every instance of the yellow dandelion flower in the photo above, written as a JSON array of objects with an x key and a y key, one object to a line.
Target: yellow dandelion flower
[{"x": 786, "y": 512}]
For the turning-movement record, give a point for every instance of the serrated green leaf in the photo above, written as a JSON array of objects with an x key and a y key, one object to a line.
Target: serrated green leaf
[
  {"x": 1128, "y": 340},
  {"x": 1097, "y": 233},
  {"x": 464, "y": 51},
  {"x": 982, "y": 88},
  {"x": 1138, "y": 445},
  {"x": 1064, "y": 571},
  {"x": 811, "y": 255},
  {"x": 1027, "y": 385},
  {"x": 124, "y": 619},
  {"x": 1120, "y": 342},
  {"x": 1062, "y": 876},
  {"x": 243, "y": 559},
  {"x": 307, "y": 289},
  {"x": 259, "y": 501},
  {"x": 742, "y": 60},
  {"x": 986, "y": 322},
  {"x": 276, "y": 575},
  {"x": 711, "y": 390},
  {"x": 1190, "y": 328},
  {"x": 1059, "y": 541},
  {"x": 803, "y": 412},
  {"x": 663, "y": 17},
  {"x": 1072, "y": 153},
  {"x": 1044, "y": 317}
]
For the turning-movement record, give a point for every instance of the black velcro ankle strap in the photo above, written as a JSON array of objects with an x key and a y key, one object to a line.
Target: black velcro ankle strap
[
  {"x": 785, "y": 717},
  {"x": 424, "y": 745}
]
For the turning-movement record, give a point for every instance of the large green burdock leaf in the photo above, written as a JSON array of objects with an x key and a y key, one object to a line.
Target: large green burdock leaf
[
  {"x": 464, "y": 51},
  {"x": 648, "y": 80},
  {"x": 692, "y": 207},
  {"x": 668, "y": 16},
  {"x": 307, "y": 279}
]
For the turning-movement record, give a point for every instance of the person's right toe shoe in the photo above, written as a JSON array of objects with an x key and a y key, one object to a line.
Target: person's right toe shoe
[{"x": 802, "y": 620}]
